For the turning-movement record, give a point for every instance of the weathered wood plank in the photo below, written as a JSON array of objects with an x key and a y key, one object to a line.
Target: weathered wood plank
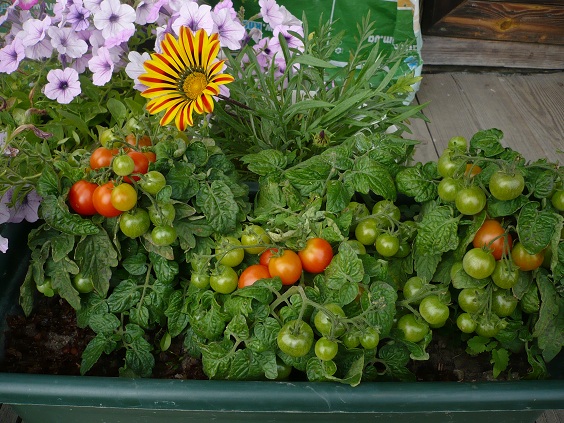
[
  {"x": 551, "y": 416},
  {"x": 504, "y": 21},
  {"x": 8, "y": 415},
  {"x": 505, "y": 54},
  {"x": 540, "y": 99},
  {"x": 425, "y": 151}
]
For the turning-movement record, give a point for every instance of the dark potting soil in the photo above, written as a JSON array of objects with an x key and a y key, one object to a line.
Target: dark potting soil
[{"x": 49, "y": 342}]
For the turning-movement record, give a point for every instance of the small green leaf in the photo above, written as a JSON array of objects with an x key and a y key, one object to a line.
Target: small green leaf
[
  {"x": 500, "y": 360},
  {"x": 117, "y": 110},
  {"x": 438, "y": 231},
  {"x": 487, "y": 143},
  {"x": 416, "y": 182},
  {"x": 56, "y": 213},
  {"x": 536, "y": 227},
  {"x": 124, "y": 296},
  {"x": 368, "y": 175},
  {"x": 265, "y": 162}
]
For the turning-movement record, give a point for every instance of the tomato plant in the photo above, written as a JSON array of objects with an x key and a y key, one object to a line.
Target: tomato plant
[
  {"x": 141, "y": 165},
  {"x": 82, "y": 284},
  {"x": 200, "y": 280},
  {"x": 370, "y": 338},
  {"x": 316, "y": 255},
  {"x": 326, "y": 349},
  {"x": 458, "y": 143},
  {"x": 505, "y": 274},
  {"x": 326, "y": 321},
  {"x": 252, "y": 274},
  {"x": 524, "y": 260},
  {"x": 557, "y": 199},
  {"x": 295, "y": 338},
  {"x": 224, "y": 280},
  {"x": 472, "y": 300},
  {"x": 505, "y": 185},
  {"x": 413, "y": 288},
  {"x": 387, "y": 245},
  {"x": 470, "y": 200},
  {"x": 124, "y": 197},
  {"x": 229, "y": 251},
  {"x": 80, "y": 197},
  {"x": 350, "y": 339},
  {"x": 493, "y": 236},
  {"x": 503, "y": 302},
  {"x": 478, "y": 263},
  {"x": 265, "y": 257},
  {"x": 466, "y": 323},
  {"x": 433, "y": 310},
  {"x": 134, "y": 223},
  {"x": 254, "y": 239},
  {"x": 447, "y": 166},
  {"x": 102, "y": 157},
  {"x": 488, "y": 326},
  {"x": 448, "y": 188},
  {"x": 386, "y": 213},
  {"x": 472, "y": 170},
  {"x": 152, "y": 182},
  {"x": 123, "y": 165},
  {"x": 367, "y": 230},
  {"x": 163, "y": 235},
  {"x": 412, "y": 328},
  {"x": 287, "y": 266},
  {"x": 162, "y": 213},
  {"x": 102, "y": 200}
]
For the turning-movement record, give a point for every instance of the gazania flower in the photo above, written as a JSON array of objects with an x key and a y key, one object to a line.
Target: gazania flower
[{"x": 184, "y": 77}]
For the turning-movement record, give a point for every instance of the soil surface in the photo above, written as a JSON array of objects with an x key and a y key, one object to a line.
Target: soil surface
[{"x": 49, "y": 342}]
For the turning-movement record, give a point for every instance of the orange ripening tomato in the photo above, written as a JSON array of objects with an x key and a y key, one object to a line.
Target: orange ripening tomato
[
  {"x": 472, "y": 170},
  {"x": 490, "y": 230},
  {"x": 316, "y": 255},
  {"x": 141, "y": 165},
  {"x": 287, "y": 266},
  {"x": 265, "y": 257},
  {"x": 102, "y": 199},
  {"x": 102, "y": 157},
  {"x": 252, "y": 274}
]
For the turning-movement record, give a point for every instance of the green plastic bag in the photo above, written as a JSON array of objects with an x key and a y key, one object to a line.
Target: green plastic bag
[{"x": 396, "y": 23}]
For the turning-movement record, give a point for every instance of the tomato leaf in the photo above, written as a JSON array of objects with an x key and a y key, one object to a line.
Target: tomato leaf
[
  {"x": 48, "y": 182},
  {"x": 97, "y": 256},
  {"x": 216, "y": 358},
  {"x": 219, "y": 206},
  {"x": 499, "y": 208},
  {"x": 138, "y": 356},
  {"x": 461, "y": 280},
  {"x": 104, "y": 323},
  {"x": 117, "y": 110},
  {"x": 99, "y": 344},
  {"x": 549, "y": 328},
  {"x": 380, "y": 307},
  {"x": 368, "y": 175},
  {"x": 396, "y": 357},
  {"x": 265, "y": 162},
  {"x": 56, "y": 214},
  {"x": 345, "y": 268},
  {"x": 539, "y": 181},
  {"x": 182, "y": 180},
  {"x": 136, "y": 264},
  {"x": 418, "y": 182},
  {"x": 438, "y": 231},
  {"x": 60, "y": 272},
  {"x": 536, "y": 227},
  {"x": 124, "y": 296},
  {"x": 165, "y": 270},
  {"x": 487, "y": 143},
  {"x": 500, "y": 360}
]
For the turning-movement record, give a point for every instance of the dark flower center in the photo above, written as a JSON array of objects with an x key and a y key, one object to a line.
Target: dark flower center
[
  {"x": 63, "y": 85},
  {"x": 113, "y": 18}
]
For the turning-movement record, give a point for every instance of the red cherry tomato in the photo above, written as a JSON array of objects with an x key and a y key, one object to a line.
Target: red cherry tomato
[
  {"x": 316, "y": 255},
  {"x": 80, "y": 197},
  {"x": 141, "y": 164},
  {"x": 102, "y": 199},
  {"x": 265, "y": 257},
  {"x": 102, "y": 157},
  {"x": 490, "y": 230},
  {"x": 287, "y": 266},
  {"x": 252, "y": 274}
]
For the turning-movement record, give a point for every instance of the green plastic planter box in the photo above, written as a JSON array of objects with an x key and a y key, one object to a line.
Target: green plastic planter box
[{"x": 62, "y": 399}]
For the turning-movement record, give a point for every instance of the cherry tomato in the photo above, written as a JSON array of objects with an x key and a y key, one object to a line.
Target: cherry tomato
[
  {"x": 124, "y": 197},
  {"x": 82, "y": 284},
  {"x": 102, "y": 200},
  {"x": 252, "y": 274},
  {"x": 413, "y": 329},
  {"x": 123, "y": 165},
  {"x": 152, "y": 182},
  {"x": 265, "y": 257},
  {"x": 458, "y": 143},
  {"x": 472, "y": 300},
  {"x": 433, "y": 310},
  {"x": 316, "y": 255},
  {"x": 505, "y": 185},
  {"x": 403, "y": 250},
  {"x": 102, "y": 157},
  {"x": 492, "y": 235},
  {"x": 350, "y": 339},
  {"x": 325, "y": 320},
  {"x": 326, "y": 349},
  {"x": 141, "y": 163},
  {"x": 466, "y": 323},
  {"x": 134, "y": 223},
  {"x": 446, "y": 165},
  {"x": 143, "y": 141},
  {"x": 80, "y": 197},
  {"x": 152, "y": 157},
  {"x": 370, "y": 338},
  {"x": 287, "y": 266},
  {"x": 200, "y": 280},
  {"x": 224, "y": 280},
  {"x": 471, "y": 200},
  {"x": 107, "y": 137},
  {"x": 472, "y": 170},
  {"x": 387, "y": 245},
  {"x": 162, "y": 213},
  {"x": 295, "y": 338},
  {"x": 229, "y": 251},
  {"x": 448, "y": 188},
  {"x": 413, "y": 287},
  {"x": 46, "y": 288},
  {"x": 367, "y": 230},
  {"x": 478, "y": 263},
  {"x": 505, "y": 275},
  {"x": 254, "y": 238},
  {"x": 524, "y": 260},
  {"x": 503, "y": 302},
  {"x": 163, "y": 235},
  {"x": 557, "y": 199},
  {"x": 488, "y": 326},
  {"x": 386, "y": 213}
]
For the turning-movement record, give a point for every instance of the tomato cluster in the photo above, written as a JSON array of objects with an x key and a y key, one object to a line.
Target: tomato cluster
[{"x": 120, "y": 176}]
